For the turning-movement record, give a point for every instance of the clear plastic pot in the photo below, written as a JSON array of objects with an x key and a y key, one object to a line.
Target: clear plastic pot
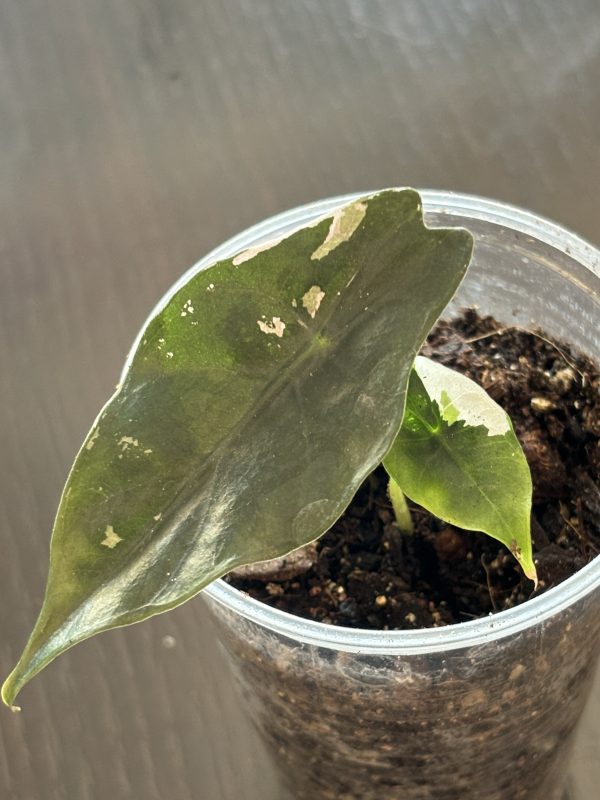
[{"x": 482, "y": 709}]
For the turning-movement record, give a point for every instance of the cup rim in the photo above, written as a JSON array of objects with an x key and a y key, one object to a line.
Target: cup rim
[{"x": 471, "y": 633}]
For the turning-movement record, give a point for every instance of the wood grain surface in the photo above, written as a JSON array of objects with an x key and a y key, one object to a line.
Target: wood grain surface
[{"x": 134, "y": 136}]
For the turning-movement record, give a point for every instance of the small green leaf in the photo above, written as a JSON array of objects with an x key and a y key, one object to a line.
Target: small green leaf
[
  {"x": 457, "y": 455},
  {"x": 257, "y": 401}
]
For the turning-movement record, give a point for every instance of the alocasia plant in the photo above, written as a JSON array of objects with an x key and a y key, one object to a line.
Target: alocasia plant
[
  {"x": 257, "y": 401},
  {"x": 457, "y": 455}
]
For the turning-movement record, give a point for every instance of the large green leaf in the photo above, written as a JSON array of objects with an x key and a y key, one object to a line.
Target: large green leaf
[
  {"x": 256, "y": 403},
  {"x": 457, "y": 455}
]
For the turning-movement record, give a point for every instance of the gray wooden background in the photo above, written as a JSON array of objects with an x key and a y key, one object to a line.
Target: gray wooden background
[{"x": 134, "y": 136}]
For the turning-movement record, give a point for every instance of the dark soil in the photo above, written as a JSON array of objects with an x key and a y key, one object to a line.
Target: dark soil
[{"x": 365, "y": 573}]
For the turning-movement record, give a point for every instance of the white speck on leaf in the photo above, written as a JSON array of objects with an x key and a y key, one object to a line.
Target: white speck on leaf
[
  {"x": 294, "y": 303},
  {"x": 345, "y": 221},
  {"x": 277, "y": 326},
  {"x": 147, "y": 451},
  {"x": 158, "y": 516},
  {"x": 312, "y": 300},
  {"x": 92, "y": 440},
  {"x": 210, "y": 287},
  {"x": 111, "y": 538},
  {"x": 169, "y": 355}
]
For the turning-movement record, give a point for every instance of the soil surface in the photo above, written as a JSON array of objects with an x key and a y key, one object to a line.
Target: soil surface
[{"x": 365, "y": 573}]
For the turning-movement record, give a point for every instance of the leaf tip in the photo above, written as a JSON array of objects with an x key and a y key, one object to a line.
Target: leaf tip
[
  {"x": 531, "y": 573},
  {"x": 527, "y": 563},
  {"x": 9, "y": 692}
]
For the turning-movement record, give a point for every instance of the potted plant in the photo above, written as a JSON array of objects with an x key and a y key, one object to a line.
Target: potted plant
[{"x": 258, "y": 397}]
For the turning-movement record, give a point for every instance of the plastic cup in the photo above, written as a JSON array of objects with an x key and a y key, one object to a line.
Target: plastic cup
[{"x": 481, "y": 709}]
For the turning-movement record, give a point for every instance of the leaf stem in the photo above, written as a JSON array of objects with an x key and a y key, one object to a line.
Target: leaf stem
[{"x": 400, "y": 506}]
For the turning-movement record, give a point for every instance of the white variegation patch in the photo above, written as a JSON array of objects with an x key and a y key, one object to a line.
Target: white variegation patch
[
  {"x": 246, "y": 255},
  {"x": 276, "y": 326},
  {"x": 345, "y": 221},
  {"x": 111, "y": 538},
  {"x": 92, "y": 440},
  {"x": 312, "y": 300},
  {"x": 460, "y": 399}
]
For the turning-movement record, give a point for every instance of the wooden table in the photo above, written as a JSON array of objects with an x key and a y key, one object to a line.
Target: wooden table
[{"x": 134, "y": 136}]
